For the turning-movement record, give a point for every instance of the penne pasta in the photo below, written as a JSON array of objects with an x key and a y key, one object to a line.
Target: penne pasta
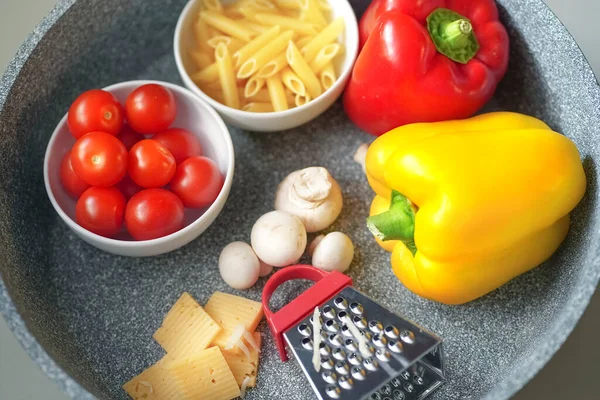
[
  {"x": 300, "y": 100},
  {"x": 311, "y": 12},
  {"x": 243, "y": 54},
  {"x": 215, "y": 94},
  {"x": 213, "y": 5},
  {"x": 272, "y": 67},
  {"x": 201, "y": 34},
  {"x": 232, "y": 44},
  {"x": 326, "y": 36},
  {"x": 302, "y": 69},
  {"x": 294, "y": 24},
  {"x": 293, "y": 82},
  {"x": 212, "y": 32},
  {"x": 260, "y": 4},
  {"x": 262, "y": 56},
  {"x": 258, "y": 107},
  {"x": 254, "y": 26},
  {"x": 290, "y": 96},
  {"x": 208, "y": 74},
  {"x": 261, "y": 95},
  {"x": 227, "y": 25},
  {"x": 201, "y": 59},
  {"x": 324, "y": 57},
  {"x": 324, "y": 5},
  {"x": 233, "y": 12},
  {"x": 277, "y": 93},
  {"x": 227, "y": 76},
  {"x": 288, "y": 4},
  {"x": 300, "y": 43},
  {"x": 253, "y": 86},
  {"x": 328, "y": 76}
]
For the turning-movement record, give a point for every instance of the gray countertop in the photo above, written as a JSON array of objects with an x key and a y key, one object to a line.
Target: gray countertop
[{"x": 570, "y": 374}]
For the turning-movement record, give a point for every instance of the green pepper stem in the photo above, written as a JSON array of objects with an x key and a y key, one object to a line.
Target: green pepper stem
[
  {"x": 398, "y": 223},
  {"x": 452, "y": 35}
]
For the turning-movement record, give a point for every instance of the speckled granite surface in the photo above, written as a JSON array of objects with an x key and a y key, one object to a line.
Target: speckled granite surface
[{"x": 90, "y": 315}]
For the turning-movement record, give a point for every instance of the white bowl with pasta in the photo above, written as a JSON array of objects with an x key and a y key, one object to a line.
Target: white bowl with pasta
[{"x": 267, "y": 65}]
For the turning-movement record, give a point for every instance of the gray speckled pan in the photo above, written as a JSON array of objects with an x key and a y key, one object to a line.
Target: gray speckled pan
[{"x": 87, "y": 317}]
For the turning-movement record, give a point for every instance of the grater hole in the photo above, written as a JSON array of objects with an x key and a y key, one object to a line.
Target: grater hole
[
  {"x": 339, "y": 354},
  {"x": 340, "y": 303},
  {"x": 407, "y": 337},
  {"x": 351, "y": 344},
  {"x": 371, "y": 364},
  {"x": 333, "y": 391},
  {"x": 324, "y": 350},
  {"x": 359, "y": 321},
  {"x": 405, "y": 375},
  {"x": 307, "y": 343},
  {"x": 346, "y": 382},
  {"x": 342, "y": 315},
  {"x": 383, "y": 355},
  {"x": 326, "y": 363},
  {"x": 336, "y": 340},
  {"x": 346, "y": 331},
  {"x": 367, "y": 335},
  {"x": 304, "y": 329},
  {"x": 408, "y": 387},
  {"x": 418, "y": 380},
  {"x": 398, "y": 395},
  {"x": 328, "y": 312},
  {"x": 375, "y": 326},
  {"x": 356, "y": 308},
  {"x": 342, "y": 368},
  {"x": 395, "y": 346},
  {"x": 358, "y": 373},
  {"x": 379, "y": 340},
  {"x": 329, "y": 377},
  {"x": 392, "y": 332},
  {"x": 331, "y": 326}
]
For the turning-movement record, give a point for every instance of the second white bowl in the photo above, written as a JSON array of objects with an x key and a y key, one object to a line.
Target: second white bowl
[{"x": 273, "y": 121}]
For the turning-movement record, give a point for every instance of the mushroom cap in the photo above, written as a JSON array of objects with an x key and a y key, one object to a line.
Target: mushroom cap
[
  {"x": 334, "y": 252},
  {"x": 278, "y": 238},
  {"x": 238, "y": 265}
]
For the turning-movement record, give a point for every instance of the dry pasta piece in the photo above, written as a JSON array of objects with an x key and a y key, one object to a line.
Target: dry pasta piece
[
  {"x": 301, "y": 68},
  {"x": 215, "y": 94},
  {"x": 227, "y": 25},
  {"x": 229, "y": 311},
  {"x": 288, "y": 4},
  {"x": 213, "y": 5},
  {"x": 300, "y": 43},
  {"x": 272, "y": 67},
  {"x": 261, "y": 96},
  {"x": 253, "y": 86},
  {"x": 324, "y": 5},
  {"x": 328, "y": 76},
  {"x": 277, "y": 93},
  {"x": 186, "y": 329},
  {"x": 326, "y": 36},
  {"x": 291, "y": 97},
  {"x": 324, "y": 57},
  {"x": 227, "y": 76},
  {"x": 260, "y": 4},
  {"x": 154, "y": 383},
  {"x": 201, "y": 59},
  {"x": 292, "y": 81},
  {"x": 232, "y": 44},
  {"x": 201, "y": 33},
  {"x": 311, "y": 12},
  {"x": 254, "y": 26},
  {"x": 258, "y": 107},
  {"x": 294, "y": 24},
  {"x": 300, "y": 100},
  {"x": 208, "y": 74},
  {"x": 205, "y": 376},
  {"x": 243, "y": 54},
  {"x": 264, "y": 55}
]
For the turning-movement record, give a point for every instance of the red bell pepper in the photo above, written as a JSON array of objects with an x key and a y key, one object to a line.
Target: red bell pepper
[{"x": 425, "y": 61}]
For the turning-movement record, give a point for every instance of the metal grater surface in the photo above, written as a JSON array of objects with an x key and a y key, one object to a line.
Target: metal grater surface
[{"x": 406, "y": 361}]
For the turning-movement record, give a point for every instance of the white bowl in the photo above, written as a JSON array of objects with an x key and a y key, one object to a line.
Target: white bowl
[
  {"x": 192, "y": 114},
  {"x": 273, "y": 121}
]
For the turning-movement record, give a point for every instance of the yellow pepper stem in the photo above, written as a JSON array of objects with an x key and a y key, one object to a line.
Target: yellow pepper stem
[{"x": 398, "y": 223}]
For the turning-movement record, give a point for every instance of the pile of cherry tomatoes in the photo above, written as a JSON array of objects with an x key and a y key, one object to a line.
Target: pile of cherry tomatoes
[{"x": 128, "y": 167}]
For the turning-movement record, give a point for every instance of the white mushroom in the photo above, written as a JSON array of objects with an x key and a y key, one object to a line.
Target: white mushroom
[
  {"x": 334, "y": 252},
  {"x": 360, "y": 156},
  {"x": 265, "y": 269},
  {"x": 278, "y": 238},
  {"x": 312, "y": 195},
  {"x": 238, "y": 265},
  {"x": 313, "y": 245}
]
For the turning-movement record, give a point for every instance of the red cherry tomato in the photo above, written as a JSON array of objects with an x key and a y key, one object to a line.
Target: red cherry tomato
[
  {"x": 101, "y": 210},
  {"x": 95, "y": 110},
  {"x": 197, "y": 182},
  {"x": 153, "y": 213},
  {"x": 99, "y": 159},
  {"x": 150, "y": 109},
  {"x": 151, "y": 165},
  {"x": 129, "y": 137},
  {"x": 181, "y": 143},
  {"x": 72, "y": 183},
  {"x": 128, "y": 187}
]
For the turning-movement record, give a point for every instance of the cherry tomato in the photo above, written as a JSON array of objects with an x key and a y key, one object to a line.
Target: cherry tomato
[
  {"x": 128, "y": 187},
  {"x": 101, "y": 210},
  {"x": 150, "y": 109},
  {"x": 151, "y": 165},
  {"x": 153, "y": 213},
  {"x": 197, "y": 182},
  {"x": 129, "y": 137},
  {"x": 72, "y": 183},
  {"x": 95, "y": 110},
  {"x": 99, "y": 159},
  {"x": 181, "y": 143}
]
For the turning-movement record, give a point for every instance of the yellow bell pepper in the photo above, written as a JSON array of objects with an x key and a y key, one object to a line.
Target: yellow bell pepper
[{"x": 465, "y": 206}]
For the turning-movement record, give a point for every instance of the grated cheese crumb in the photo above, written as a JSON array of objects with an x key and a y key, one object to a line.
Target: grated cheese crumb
[
  {"x": 362, "y": 343},
  {"x": 316, "y": 359},
  {"x": 245, "y": 383}
]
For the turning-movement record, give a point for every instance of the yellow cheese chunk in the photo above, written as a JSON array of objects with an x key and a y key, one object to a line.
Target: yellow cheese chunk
[
  {"x": 230, "y": 311},
  {"x": 187, "y": 329},
  {"x": 155, "y": 383},
  {"x": 242, "y": 366},
  {"x": 205, "y": 376}
]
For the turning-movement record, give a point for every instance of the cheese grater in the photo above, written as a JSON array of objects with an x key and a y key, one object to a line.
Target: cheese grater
[{"x": 401, "y": 361}]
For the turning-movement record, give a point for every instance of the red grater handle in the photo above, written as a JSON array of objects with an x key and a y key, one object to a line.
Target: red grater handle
[{"x": 329, "y": 283}]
